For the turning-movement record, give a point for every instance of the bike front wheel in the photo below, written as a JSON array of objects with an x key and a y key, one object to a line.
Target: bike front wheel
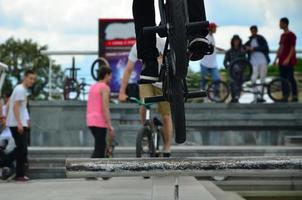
[
  {"x": 241, "y": 70},
  {"x": 218, "y": 91},
  {"x": 178, "y": 111},
  {"x": 279, "y": 90},
  {"x": 178, "y": 38}
]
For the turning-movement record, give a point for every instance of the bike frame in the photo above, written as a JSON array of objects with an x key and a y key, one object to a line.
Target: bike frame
[{"x": 148, "y": 122}]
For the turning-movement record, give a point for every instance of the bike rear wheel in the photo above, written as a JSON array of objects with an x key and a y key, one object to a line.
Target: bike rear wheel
[
  {"x": 279, "y": 90},
  {"x": 144, "y": 143},
  {"x": 178, "y": 38},
  {"x": 218, "y": 91}
]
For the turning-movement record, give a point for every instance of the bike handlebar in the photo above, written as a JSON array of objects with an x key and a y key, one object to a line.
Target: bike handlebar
[{"x": 139, "y": 102}]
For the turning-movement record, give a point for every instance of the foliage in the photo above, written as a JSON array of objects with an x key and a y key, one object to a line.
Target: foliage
[{"x": 21, "y": 55}]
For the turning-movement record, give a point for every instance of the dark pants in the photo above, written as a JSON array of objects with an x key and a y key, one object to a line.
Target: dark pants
[
  {"x": 21, "y": 141},
  {"x": 144, "y": 16},
  {"x": 99, "y": 135},
  {"x": 287, "y": 73},
  {"x": 236, "y": 88}
]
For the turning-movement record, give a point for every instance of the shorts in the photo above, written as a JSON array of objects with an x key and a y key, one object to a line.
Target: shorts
[{"x": 148, "y": 90}]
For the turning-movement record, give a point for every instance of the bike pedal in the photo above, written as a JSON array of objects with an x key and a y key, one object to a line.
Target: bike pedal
[{"x": 197, "y": 94}]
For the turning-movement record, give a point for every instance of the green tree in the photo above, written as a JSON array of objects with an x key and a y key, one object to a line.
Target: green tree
[{"x": 21, "y": 55}]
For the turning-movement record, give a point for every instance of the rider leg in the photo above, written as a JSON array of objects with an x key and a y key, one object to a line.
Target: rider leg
[
  {"x": 254, "y": 81},
  {"x": 263, "y": 73},
  {"x": 197, "y": 13},
  {"x": 144, "y": 16},
  {"x": 167, "y": 132},
  {"x": 199, "y": 45}
]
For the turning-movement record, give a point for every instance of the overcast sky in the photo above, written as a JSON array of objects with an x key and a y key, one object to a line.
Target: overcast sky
[{"x": 72, "y": 24}]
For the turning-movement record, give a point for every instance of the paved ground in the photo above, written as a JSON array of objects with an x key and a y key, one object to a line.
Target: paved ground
[{"x": 114, "y": 189}]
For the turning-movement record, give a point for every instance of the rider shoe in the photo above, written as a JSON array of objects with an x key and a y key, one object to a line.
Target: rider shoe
[
  {"x": 295, "y": 99},
  {"x": 149, "y": 72},
  {"x": 199, "y": 47}
]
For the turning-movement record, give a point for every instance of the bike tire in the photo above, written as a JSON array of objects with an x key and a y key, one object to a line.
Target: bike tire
[
  {"x": 275, "y": 90},
  {"x": 94, "y": 71},
  {"x": 221, "y": 95},
  {"x": 178, "y": 38},
  {"x": 241, "y": 70},
  {"x": 144, "y": 133},
  {"x": 177, "y": 105}
]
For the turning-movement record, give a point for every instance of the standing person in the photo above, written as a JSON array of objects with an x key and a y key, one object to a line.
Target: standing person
[
  {"x": 17, "y": 121},
  {"x": 286, "y": 56},
  {"x": 236, "y": 52},
  {"x": 258, "y": 52},
  {"x": 148, "y": 90},
  {"x": 209, "y": 64},
  {"x": 144, "y": 16},
  {"x": 98, "y": 114}
]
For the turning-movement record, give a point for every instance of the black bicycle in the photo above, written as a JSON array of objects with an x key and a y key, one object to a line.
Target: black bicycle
[
  {"x": 72, "y": 88},
  {"x": 175, "y": 27},
  {"x": 149, "y": 136},
  {"x": 241, "y": 70}
]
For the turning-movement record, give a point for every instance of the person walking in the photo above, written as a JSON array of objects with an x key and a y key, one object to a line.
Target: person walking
[
  {"x": 286, "y": 58},
  {"x": 98, "y": 114},
  {"x": 17, "y": 121}
]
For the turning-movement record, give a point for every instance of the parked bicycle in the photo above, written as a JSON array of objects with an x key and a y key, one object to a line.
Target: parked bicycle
[
  {"x": 241, "y": 71},
  {"x": 83, "y": 88},
  {"x": 149, "y": 136},
  {"x": 72, "y": 87},
  {"x": 96, "y": 65}
]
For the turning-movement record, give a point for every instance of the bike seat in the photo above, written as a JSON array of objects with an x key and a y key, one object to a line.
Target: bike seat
[{"x": 157, "y": 122}]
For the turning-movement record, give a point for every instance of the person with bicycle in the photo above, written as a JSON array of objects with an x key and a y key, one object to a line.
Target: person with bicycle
[
  {"x": 258, "y": 52},
  {"x": 236, "y": 52},
  {"x": 148, "y": 90},
  {"x": 98, "y": 114},
  {"x": 144, "y": 16},
  {"x": 209, "y": 64}
]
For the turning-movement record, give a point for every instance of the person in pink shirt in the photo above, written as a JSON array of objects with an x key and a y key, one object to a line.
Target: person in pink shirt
[{"x": 98, "y": 114}]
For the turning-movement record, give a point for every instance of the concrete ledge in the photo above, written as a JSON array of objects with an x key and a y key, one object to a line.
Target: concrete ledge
[{"x": 78, "y": 168}]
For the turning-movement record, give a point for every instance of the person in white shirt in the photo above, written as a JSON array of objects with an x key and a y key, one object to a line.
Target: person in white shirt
[
  {"x": 209, "y": 64},
  {"x": 258, "y": 52},
  {"x": 148, "y": 90},
  {"x": 17, "y": 121}
]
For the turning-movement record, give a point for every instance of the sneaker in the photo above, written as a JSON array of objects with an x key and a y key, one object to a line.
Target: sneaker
[
  {"x": 22, "y": 179},
  {"x": 149, "y": 72},
  {"x": 166, "y": 155},
  {"x": 199, "y": 47}
]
